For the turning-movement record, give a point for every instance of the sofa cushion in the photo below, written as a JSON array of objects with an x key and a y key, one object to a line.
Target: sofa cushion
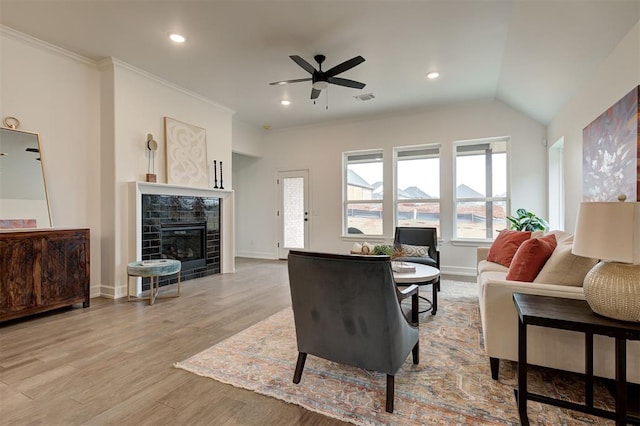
[
  {"x": 505, "y": 246},
  {"x": 530, "y": 258},
  {"x": 486, "y": 266},
  {"x": 564, "y": 267}
]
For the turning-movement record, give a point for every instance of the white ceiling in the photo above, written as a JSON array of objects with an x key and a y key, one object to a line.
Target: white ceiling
[{"x": 530, "y": 54}]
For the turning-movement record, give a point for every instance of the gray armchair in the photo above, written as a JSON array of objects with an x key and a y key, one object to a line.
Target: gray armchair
[
  {"x": 418, "y": 236},
  {"x": 347, "y": 310},
  {"x": 421, "y": 236}
]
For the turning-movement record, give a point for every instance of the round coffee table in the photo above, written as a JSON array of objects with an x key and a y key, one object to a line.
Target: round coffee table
[{"x": 423, "y": 275}]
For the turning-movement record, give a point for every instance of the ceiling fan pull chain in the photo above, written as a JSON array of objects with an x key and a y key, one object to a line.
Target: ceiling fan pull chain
[{"x": 327, "y": 100}]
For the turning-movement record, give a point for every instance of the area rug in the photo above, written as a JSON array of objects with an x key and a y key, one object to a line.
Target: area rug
[{"x": 451, "y": 385}]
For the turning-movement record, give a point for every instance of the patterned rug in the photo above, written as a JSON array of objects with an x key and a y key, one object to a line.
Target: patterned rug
[{"x": 451, "y": 385}]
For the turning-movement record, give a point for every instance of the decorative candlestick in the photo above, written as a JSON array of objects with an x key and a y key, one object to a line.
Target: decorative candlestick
[
  {"x": 215, "y": 175},
  {"x": 221, "y": 187}
]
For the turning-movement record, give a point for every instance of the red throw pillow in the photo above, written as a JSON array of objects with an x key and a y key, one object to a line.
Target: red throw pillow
[
  {"x": 505, "y": 246},
  {"x": 531, "y": 257}
]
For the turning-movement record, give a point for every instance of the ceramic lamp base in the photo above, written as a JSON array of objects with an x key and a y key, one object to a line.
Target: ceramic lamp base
[{"x": 613, "y": 290}]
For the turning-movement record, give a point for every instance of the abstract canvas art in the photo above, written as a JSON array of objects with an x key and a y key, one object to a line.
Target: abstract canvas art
[
  {"x": 611, "y": 152},
  {"x": 186, "y": 154}
]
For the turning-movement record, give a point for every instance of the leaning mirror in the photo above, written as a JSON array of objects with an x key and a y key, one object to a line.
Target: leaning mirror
[{"x": 23, "y": 191}]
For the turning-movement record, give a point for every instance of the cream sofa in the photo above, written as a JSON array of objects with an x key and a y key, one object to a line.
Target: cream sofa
[{"x": 546, "y": 347}]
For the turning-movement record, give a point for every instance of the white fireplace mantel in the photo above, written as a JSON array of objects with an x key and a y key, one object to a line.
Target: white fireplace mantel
[{"x": 227, "y": 237}]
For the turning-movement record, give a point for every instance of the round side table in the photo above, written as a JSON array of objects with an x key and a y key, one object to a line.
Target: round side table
[
  {"x": 421, "y": 275},
  {"x": 153, "y": 269}
]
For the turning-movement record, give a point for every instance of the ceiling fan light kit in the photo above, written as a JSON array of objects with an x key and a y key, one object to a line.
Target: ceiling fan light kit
[
  {"x": 320, "y": 85},
  {"x": 320, "y": 79}
]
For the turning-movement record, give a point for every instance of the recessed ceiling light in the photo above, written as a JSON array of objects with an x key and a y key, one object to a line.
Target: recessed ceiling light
[
  {"x": 433, "y": 75},
  {"x": 177, "y": 38},
  {"x": 285, "y": 102}
]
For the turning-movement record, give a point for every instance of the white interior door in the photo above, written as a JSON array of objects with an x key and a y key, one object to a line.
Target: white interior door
[{"x": 293, "y": 212}]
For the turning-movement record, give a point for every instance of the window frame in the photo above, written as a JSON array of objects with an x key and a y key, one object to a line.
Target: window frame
[
  {"x": 345, "y": 190},
  {"x": 397, "y": 151},
  {"x": 488, "y": 200}
]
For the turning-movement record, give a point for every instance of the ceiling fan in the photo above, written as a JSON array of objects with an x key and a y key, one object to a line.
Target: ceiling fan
[{"x": 321, "y": 79}]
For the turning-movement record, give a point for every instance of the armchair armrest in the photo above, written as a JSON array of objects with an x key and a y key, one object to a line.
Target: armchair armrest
[
  {"x": 409, "y": 291},
  {"x": 412, "y": 291}
]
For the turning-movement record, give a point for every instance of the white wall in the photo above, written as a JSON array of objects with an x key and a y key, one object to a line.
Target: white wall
[
  {"x": 616, "y": 76},
  {"x": 56, "y": 94},
  {"x": 141, "y": 101},
  {"x": 247, "y": 139},
  {"x": 319, "y": 149}
]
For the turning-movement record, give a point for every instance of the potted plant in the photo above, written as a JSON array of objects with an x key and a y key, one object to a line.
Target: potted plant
[
  {"x": 527, "y": 221},
  {"x": 383, "y": 249}
]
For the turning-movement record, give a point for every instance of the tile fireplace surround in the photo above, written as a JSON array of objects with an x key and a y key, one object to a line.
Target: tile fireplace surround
[{"x": 138, "y": 189}]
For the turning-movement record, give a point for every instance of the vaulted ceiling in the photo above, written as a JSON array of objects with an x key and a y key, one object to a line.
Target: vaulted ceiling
[{"x": 530, "y": 54}]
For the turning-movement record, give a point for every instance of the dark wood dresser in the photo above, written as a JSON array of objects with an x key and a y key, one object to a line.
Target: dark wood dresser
[{"x": 43, "y": 269}]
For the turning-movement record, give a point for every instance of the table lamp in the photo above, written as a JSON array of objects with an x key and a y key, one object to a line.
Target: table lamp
[{"x": 610, "y": 231}]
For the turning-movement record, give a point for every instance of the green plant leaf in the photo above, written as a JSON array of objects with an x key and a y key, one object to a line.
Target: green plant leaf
[{"x": 527, "y": 221}]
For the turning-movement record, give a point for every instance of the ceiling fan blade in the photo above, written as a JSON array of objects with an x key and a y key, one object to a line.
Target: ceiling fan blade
[
  {"x": 304, "y": 64},
  {"x": 315, "y": 93},
  {"x": 346, "y": 82},
  {"x": 346, "y": 65},
  {"x": 297, "y": 80}
]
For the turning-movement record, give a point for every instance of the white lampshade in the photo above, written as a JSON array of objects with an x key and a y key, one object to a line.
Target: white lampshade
[{"x": 608, "y": 231}]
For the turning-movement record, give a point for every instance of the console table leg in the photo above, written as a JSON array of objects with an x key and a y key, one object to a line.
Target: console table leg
[
  {"x": 588, "y": 364},
  {"x": 522, "y": 372},
  {"x": 621, "y": 381}
]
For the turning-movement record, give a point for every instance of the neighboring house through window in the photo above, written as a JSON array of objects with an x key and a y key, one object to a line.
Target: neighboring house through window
[
  {"x": 362, "y": 206},
  {"x": 482, "y": 188},
  {"x": 417, "y": 195}
]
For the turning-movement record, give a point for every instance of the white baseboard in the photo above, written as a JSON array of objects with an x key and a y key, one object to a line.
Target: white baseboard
[
  {"x": 458, "y": 270},
  {"x": 257, "y": 255},
  {"x": 112, "y": 292}
]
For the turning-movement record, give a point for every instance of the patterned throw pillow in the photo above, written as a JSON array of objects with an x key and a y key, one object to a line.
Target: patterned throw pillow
[{"x": 414, "y": 251}]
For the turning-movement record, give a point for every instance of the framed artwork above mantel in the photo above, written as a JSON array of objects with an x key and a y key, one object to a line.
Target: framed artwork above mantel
[
  {"x": 186, "y": 154},
  {"x": 611, "y": 152}
]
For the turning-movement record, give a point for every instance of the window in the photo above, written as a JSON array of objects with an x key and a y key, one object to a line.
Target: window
[
  {"x": 482, "y": 197},
  {"x": 417, "y": 196},
  {"x": 556, "y": 185},
  {"x": 362, "y": 177}
]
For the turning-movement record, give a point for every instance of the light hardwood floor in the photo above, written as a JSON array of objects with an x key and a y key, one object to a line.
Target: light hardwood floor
[{"x": 112, "y": 363}]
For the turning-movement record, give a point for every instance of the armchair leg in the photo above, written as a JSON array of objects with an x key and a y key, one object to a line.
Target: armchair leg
[
  {"x": 416, "y": 353},
  {"x": 302, "y": 357},
  {"x": 390, "y": 393},
  {"x": 495, "y": 367}
]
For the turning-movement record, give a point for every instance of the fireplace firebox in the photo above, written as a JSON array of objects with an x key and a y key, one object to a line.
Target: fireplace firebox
[
  {"x": 186, "y": 242},
  {"x": 185, "y": 228}
]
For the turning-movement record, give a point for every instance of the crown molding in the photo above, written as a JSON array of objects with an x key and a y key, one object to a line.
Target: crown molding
[
  {"x": 117, "y": 63},
  {"x": 41, "y": 44},
  {"x": 104, "y": 63}
]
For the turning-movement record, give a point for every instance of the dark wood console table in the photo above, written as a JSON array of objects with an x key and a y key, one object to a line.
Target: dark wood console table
[
  {"x": 575, "y": 315},
  {"x": 43, "y": 269}
]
